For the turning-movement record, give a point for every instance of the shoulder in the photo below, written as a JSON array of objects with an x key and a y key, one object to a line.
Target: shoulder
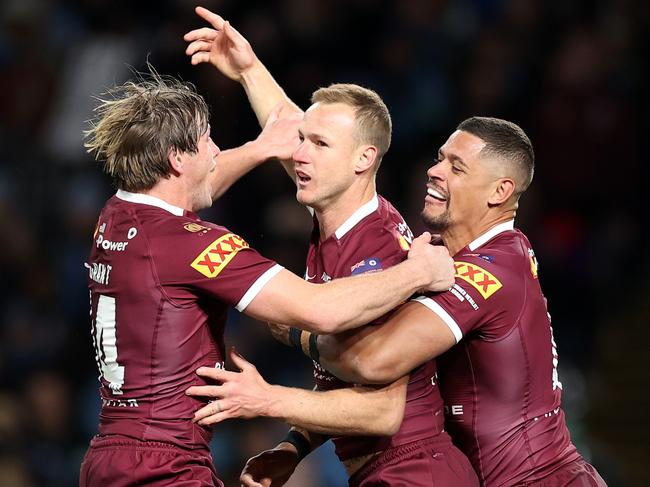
[
  {"x": 504, "y": 256},
  {"x": 185, "y": 239},
  {"x": 390, "y": 224}
]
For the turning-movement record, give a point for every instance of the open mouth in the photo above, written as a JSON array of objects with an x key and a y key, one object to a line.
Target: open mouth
[
  {"x": 302, "y": 177},
  {"x": 436, "y": 194}
]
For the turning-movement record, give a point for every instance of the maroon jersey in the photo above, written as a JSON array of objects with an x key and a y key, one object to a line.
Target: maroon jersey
[
  {"x": 161, "y": 282},
  {"x": 500, "y": 383},
  {"x": 373, "y": 238}
]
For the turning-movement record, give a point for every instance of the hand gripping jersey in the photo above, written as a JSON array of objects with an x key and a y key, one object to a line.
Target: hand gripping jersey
[
  {"x": 161, "y": 282},
  {"x": 500, "y": 382},
  {"x": 373, "y": 238}
]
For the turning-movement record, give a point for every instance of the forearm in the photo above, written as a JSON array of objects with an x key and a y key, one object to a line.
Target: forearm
[
  {"x": 348, "y": 411},
  {"x": 355, "y": 301},
  {"x": 232, "y": 164},
  {"x": 264, "y": 93}
]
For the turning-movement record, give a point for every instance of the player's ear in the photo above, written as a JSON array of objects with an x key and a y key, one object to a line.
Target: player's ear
[
  {"x": 366, "y": 159},
  {"x": 176, "y": 161},
  {"x": 502, "y": 190}
]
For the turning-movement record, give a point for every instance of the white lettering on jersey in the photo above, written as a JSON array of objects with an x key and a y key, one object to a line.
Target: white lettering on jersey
[
  {"x": 109, "y": 245},
  {"x": 98, "y": 272},
  {"x": 120, "y": 403},
  {"x": 454, "y": 410},
  {"x": 556, "y": 376}
]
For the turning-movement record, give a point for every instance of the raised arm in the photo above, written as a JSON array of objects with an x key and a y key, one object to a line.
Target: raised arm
[
  {"x": 379, "y": 354},
  {"x": 352, "y": 301},
  {"x": 228, "y": 51},
  {"x": 348, "y": 411},
  {"x": 278, "y": 139}
]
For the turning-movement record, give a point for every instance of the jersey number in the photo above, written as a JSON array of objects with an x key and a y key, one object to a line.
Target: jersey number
[{"x": 105, "y": 342}]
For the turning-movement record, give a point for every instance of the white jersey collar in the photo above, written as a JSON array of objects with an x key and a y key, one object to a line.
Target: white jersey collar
[
  {"x": 492, "y": 232},
  {"x": 145, "y": 199},
  {"x": 357, "y": 216}
]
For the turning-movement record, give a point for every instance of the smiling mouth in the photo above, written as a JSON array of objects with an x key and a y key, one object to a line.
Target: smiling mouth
[{"x": 436, "y": 194}]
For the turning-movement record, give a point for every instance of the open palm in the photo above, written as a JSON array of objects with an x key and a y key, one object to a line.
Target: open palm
[{"x": 221, "y": 46}]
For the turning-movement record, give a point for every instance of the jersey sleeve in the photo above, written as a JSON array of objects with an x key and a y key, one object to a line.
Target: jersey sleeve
[
  {"x": 483, "y": 300},
  {"x": 213, "y": 262}
]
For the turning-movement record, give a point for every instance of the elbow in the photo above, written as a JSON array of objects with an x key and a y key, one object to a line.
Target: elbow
[
  {"x": 372, "y": 369},
  {"x": 322, "y": 321},
  {"x": 389, "y": 421}
]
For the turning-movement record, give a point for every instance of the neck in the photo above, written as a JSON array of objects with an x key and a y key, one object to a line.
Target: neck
[
  {"x": 333, "y": 215},
  {"x": 457, "y": 237},
  {"x": 170, "y": 191}
]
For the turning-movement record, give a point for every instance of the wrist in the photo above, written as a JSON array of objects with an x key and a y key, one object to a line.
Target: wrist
[
  {"x": 250, "y": 76},
  {"x": 298, "y": 442},
  {"x": 276, "y": 406},
  {"x": 417, "y": 275}
]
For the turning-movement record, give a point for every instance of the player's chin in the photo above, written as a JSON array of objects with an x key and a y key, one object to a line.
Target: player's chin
[{"x": 304, "y": 197}]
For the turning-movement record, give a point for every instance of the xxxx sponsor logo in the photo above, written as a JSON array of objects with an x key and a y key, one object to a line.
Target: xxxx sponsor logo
[
  {"x": 218, "y": 254},
  {"x": 484, "y": 282}
]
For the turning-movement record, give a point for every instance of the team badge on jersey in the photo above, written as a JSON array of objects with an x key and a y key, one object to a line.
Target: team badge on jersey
[
  {"x": 218, "y": 254},
  {"x": 533, "y": 263},
  {"x": 195, "y": 227},
  {"x": 405, "y": 236},
  {"x": 484, "y": 282},
  {"x": 366, "y": 265}
]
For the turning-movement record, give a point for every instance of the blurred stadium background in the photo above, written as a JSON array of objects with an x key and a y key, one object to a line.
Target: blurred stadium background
[{"x": 572, "y": 73}]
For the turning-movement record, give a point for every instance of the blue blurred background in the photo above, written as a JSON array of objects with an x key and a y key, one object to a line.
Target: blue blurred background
[{"x": 572, "y": 73}]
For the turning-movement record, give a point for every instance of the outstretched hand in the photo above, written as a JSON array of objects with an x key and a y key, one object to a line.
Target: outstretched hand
[
  {"x": 436, "y": 260},
  {"x": 222, "y": 46},
  {"x": 271, "y": 468},
  {"x": 243, "y": 394}
]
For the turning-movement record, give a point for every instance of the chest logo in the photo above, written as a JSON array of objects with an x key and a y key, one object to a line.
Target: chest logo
[
  {"x": 218, "y": 254},
  {"x": 195, "y": 227},
  {"x": 480, "y": 279}
]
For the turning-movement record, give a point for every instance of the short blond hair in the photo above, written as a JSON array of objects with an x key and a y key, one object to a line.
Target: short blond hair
[
  {"x": 139, "y": 123},
  {"x": 373, "y": 123}
]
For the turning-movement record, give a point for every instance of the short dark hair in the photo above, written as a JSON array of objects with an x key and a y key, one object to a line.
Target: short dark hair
[
  {"x": 508, "y": 141},
  {"x": 139, "y": 123}
]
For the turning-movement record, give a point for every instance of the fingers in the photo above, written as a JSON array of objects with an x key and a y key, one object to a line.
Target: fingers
[
  {"x": 213, "y": 19},
  {"x": 220, "y": 375},
  {"x": 205, "y": 391},
  {"x": 200, "y": 57},
  {"x": 246, "y": 480},
  {"x": 205, "y": 33},
  {"x": 240, "y": 362},
  {"x": 198, "y": 46},
  {"x": 212, "y": 413}
]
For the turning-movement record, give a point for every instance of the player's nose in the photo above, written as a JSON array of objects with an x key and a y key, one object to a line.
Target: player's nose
[{"x": 214, "y": 148}]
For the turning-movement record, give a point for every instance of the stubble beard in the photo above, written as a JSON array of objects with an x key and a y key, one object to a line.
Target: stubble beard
[{"x": 436, "y": 224}]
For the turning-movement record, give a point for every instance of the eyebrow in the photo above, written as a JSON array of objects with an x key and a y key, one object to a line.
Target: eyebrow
[
  {"x": 314, "y": 135},
  {"x": 452, "y": 158}
]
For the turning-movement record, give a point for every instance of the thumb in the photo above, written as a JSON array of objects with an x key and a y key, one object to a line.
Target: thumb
[
  {"x": 275, "y": 114},
  {"x": 240, "y": 362},
  {"x": 424, "y": 238}
]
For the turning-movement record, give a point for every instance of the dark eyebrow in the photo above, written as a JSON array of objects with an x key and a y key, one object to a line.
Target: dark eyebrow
[{"x": 452, "y": 157}]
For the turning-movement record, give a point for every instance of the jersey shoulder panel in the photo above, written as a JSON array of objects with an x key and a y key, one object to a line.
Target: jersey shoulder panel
[
  {"x": 490, "y": 291},
  {"x": 379, "y": 241},
  {"x": 190, "y": 254}
]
